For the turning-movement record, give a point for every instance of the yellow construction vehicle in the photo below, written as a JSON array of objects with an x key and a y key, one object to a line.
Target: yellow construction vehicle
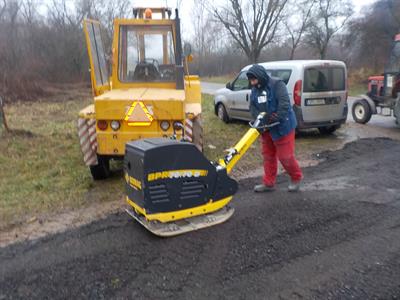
[{"x": 149, "y": 93}]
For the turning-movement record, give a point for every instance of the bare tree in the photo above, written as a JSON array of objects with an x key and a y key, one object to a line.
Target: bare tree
[
  {"x": 331, "y": 16},
  {"x": 297, "y": 22},
  {"x": 3, "y": 7},
  {"x": 394, "y": 10},
  {"x": 252, "y": 25},
  {"x": 374, "y": 30}
]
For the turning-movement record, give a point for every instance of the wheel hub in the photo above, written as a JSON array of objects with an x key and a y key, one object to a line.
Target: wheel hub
[
  {"x": 220, "y": 112},
  {"x": 359, "y": 111}
]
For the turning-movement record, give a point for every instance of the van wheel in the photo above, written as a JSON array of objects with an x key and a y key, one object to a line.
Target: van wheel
[
  {"x": 328, "y": 129},
  {"x": 102, "y": 169},
  {"x": 222, "y": 114},
  {"x": 361, "y": 111}
]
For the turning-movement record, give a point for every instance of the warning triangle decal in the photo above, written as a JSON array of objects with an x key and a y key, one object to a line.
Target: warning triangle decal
[{"x": 138, "y": 115}]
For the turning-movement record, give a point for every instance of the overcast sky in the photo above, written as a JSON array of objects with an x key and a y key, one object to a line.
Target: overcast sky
[
  {"x": 186, "y": 7},
  {"x": 186, "y": 4}
]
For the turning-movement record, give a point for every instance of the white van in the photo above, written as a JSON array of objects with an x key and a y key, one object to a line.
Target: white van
[{"x": 317, "y": 90}]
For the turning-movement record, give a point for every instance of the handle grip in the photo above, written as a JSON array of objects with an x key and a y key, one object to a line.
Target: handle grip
[{"x": 259, "y": 125}]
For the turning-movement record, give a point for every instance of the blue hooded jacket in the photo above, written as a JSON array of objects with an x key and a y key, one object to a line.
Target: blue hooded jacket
[{"x": 271, "y": 96}]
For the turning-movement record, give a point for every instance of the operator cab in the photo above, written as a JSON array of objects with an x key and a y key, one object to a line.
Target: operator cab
[
  {"x": 146, "y": 52},
  {"x": 140, "y": 58}
]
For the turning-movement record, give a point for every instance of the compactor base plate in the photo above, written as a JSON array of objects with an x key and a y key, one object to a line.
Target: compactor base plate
[{"x": 183, "y": 226}]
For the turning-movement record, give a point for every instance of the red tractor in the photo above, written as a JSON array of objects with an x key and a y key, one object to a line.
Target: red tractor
[{"x": 383, "y": 95}]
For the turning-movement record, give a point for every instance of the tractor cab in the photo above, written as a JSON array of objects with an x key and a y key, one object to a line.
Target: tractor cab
[
  {"x": 392, "y": 68},
  {"x": 141, "y": 90}
]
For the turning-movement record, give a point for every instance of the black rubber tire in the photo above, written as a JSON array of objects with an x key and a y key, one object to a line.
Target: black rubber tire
[
  {"x": 361, "y": 111},
  {"x": 222, "y": 114},
  {"x": 328, "y": 129},
  {"x": 102, "y": 169}
]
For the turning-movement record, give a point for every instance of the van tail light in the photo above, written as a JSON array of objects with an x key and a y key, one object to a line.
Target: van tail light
[
  {"x": 297, "y": 92},
  {"x": 102, "y": 124}
]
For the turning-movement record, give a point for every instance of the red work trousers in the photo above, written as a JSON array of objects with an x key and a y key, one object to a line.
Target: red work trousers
[{"x": 282, "y": 149}]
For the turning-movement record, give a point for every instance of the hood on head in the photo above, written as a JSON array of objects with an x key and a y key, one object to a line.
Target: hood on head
[{"x": 260, "y": 73}]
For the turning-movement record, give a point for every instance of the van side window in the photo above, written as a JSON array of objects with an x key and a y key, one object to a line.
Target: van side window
[
  {"x": 283, "y": 74},
  {"x": 269, "y": 72},
  {"x": 241, "y": 82}
]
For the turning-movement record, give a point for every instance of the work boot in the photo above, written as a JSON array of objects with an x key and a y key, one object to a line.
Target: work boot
[
  {"x": 261, "y": 188},
  {"x": 294, "y": 186}
]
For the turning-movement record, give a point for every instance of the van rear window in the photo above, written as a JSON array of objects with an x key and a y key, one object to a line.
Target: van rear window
[{"x": 324, "y": 79}]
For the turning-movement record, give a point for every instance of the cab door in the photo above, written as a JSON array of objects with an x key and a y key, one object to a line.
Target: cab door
[
  {"x": 98, "y": 64},
  {"x": 240, "y": 106}
]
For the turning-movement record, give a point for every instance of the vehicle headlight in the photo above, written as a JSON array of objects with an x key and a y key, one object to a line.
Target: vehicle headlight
[
  {"x": 115, "y": 125},
  {"x": 164, "y": 125}
]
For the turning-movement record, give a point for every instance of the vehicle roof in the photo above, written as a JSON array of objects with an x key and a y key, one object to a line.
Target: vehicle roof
[{"x": 297, "y": 63}]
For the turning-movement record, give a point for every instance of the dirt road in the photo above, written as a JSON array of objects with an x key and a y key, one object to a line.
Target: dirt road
[{"x": 338, "y": 239}]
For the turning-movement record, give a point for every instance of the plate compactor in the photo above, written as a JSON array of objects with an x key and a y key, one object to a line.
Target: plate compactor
[{"x": 171, "y": 188}]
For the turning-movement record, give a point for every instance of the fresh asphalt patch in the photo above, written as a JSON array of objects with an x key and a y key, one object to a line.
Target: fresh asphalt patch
[{"x": 337, "y": 239}]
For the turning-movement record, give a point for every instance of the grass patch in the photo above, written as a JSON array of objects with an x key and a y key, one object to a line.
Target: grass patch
[
  {"x": 41, "y": 162},
  {"x": 219, "y": 136},
  {"x": 42, "y": 169},
  {"x": 357, "y": 89}
]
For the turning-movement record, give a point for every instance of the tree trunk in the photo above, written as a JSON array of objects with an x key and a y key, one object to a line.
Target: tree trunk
[
  {"x": 322, "y": 52},
  {"x": 253, "y": 56},
  {"x": 292, "y": 53},
  {"x": 3, "y": 115}
]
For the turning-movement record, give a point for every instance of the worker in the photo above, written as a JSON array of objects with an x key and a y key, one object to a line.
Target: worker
[{"x": 270, "y": 95}]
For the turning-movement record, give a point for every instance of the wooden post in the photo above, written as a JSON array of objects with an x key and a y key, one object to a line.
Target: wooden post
[{"x": 3, "y": 115}]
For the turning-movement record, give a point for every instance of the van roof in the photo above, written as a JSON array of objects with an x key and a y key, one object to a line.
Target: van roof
[{"x": 297, "y": 63}]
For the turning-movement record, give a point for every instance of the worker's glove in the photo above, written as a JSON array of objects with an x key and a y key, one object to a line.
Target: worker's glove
[
  {"x": 260, "y": 123},
  {"x": 272, "y": 118}
]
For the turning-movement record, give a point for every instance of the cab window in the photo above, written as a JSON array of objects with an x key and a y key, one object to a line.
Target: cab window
[{"x": 146, "y": 54}]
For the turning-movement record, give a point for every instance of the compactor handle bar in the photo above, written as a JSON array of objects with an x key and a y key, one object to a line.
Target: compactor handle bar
[
  {"x": 258, "y": 121},
  {"x": 235, "y": 153}
]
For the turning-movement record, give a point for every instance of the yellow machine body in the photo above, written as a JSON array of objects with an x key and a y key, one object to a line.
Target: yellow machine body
[{"x": 192, "y": 177}]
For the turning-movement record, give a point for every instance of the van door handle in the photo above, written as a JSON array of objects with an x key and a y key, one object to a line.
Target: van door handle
[{"x": 247, "y": 97}]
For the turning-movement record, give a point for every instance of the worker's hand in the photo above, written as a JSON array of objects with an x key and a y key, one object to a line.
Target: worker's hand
[{"x": 272, "y": 118}]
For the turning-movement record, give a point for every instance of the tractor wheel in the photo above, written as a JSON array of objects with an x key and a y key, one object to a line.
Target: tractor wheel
[
  {"x": 361, "y": 111},
  {"x": 222, "y": 114},
  {"x": 198, "y": 132},
  {"x": 102, "y": 169},
  {"x": 328, "y": 129}
]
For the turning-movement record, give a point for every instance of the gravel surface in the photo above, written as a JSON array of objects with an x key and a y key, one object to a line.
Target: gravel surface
[{"x": 337, "y": 239}]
